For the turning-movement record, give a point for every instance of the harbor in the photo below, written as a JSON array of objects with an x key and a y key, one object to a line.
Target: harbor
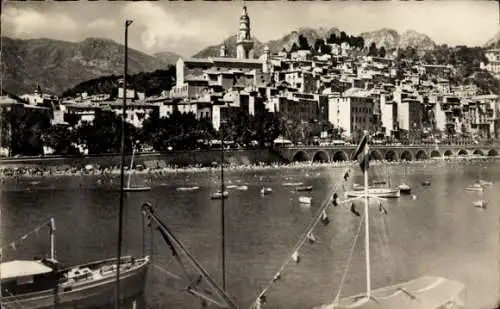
[{"x": 439, "y": 232}]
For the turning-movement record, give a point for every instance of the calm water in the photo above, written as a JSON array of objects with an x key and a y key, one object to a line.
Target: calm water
[{"x": 439, "y": 233}]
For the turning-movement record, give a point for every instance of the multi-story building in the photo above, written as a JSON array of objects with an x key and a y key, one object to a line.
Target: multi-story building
[{"x": 353, "y": 111}]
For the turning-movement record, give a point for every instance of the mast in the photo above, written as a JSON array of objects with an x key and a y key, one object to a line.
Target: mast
[
  {"x": 367, "y": 229},
  {"x": 130, "y": 168},
  {"x": 52, "y": 239},
  {"x": 223, "y": 219},
  {"x": 120, "y": 213}
]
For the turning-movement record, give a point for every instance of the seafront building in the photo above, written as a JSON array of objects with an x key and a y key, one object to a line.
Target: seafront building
[{"x": 342, "y": 86}]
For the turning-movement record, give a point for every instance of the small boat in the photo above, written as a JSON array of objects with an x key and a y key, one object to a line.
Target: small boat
[
  {"x": 266, "y": 190},
  {"x": 304, "y": 188},
  {"x": 292, "y": 184},
  {"x": 480, "y": 204},
  {"x": 404, "y": 188},
  {"x": 232, "y": 186},
  {"x": 218, "y": 195},
  {"x": 128, "y": 188},
  {"x": 187, "y": 189},
  {"x": 426, "y": 183},
  {"x": 475, "y": 187},
  {"x": 242, "y": 188},
  {"x": 136, "y": 189},
  {"x": 486, "y": 184},
  {"x": 379, "y": 192},
  {"x": 305, "y": 200}
]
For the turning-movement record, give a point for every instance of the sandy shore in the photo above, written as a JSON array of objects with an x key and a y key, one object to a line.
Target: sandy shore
[{"x": 8, "y": 172}]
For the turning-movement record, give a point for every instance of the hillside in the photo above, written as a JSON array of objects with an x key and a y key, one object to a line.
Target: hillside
[
  {"x": 390, "y": 39},
  {"x": 59, "y": 65},
  {"x": 167, "y": 57},
  {"x": 151, "y": 83},
  {"x": 494, "y": 42}
]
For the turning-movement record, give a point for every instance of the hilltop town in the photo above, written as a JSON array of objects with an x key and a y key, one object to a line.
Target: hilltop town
[{"x": 322, "y": 93}]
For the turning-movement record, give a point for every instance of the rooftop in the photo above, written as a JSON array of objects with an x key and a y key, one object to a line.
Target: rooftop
[{"x": 20, "y": 268}]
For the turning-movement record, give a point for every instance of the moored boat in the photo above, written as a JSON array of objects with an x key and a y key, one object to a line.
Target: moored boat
[
  {"x": 475, "y": 187},
  {"x": 266, "y": 190},
  {"x": 305, "y": 200},
  {"x": 304, "y": 188},
  {"x": 218, "y": 195},
  {"x": 40, "y": 284},
  {"x": 378, "y": 192},
  {"x": 404, "y": 188}
]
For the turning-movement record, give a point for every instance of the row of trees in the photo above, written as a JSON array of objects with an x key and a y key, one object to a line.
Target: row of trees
[
  {"x": 321, "y": 46},
  {"x": 26, "y": 132}
]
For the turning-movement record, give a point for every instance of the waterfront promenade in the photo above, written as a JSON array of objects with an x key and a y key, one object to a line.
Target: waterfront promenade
[{"x": 257, "y": 156}]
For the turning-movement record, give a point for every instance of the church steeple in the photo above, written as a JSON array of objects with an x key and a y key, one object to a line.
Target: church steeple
[{"x": 244, "y": 39}]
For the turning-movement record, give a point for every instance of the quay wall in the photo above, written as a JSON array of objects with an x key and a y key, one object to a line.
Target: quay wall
[{"x": 150, "y": 160}]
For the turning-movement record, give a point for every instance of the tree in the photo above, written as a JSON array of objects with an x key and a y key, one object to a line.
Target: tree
[
  {"x": 332, "y": 39},
  {"x": 381, "y": 52},
  {"x": 343, "y": 37},
  {"x": 320, "y": 46},
  {"x": 303, "y": 43},
  {"x": 60, "y": 138},
  {"x": 294, "y": 47},
  {"x": 372, "y": 51}
]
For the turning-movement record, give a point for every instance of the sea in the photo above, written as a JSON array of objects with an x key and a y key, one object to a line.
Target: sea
[{"x": 435, "y": 231}]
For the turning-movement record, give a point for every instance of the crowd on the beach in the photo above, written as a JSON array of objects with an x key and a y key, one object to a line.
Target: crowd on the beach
[{"x": 49, "y": 171}]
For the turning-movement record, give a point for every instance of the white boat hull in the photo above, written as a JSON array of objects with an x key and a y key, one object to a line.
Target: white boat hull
[
  {"x": 86, "y": 294},
  {"x": 429, "y": 293},
  {"x": 378, "y": 192}
]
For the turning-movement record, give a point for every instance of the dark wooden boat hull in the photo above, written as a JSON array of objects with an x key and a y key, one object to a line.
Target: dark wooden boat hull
[{"x": 92, "y": 294}]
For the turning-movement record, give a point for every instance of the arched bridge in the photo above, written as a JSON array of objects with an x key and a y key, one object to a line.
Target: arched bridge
[{"x": 385, "y": 152}]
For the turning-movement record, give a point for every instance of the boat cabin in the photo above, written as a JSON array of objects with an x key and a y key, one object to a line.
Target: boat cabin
[{"x": 24, "y": 276}]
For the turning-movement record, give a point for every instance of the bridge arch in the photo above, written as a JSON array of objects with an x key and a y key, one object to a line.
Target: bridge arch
[
  {"x": 448, "y": 153},
  {"x": 436, "y": 154},
  {"x": 421, "y": 155},
  {"x": 321, "y": 156},
  {"x": 391, "y": 155},
  {"x": 339, "y": 156},
  {"x": 492, "y": 153},
  {"x": 406, "y": 155},
  {"x": 478, "y": 152},
  {"x": 376, "y": 155},
  {"x": 462, "y": 152},
  {"x": 300, "y": 156}
]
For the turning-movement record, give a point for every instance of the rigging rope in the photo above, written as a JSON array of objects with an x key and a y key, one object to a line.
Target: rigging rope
[
  {"x": 351, "y": 253},
  {"x": 306, "y": 234},
  {"x": 386, "y": 252},
  {"x": 25, "y": 236}
]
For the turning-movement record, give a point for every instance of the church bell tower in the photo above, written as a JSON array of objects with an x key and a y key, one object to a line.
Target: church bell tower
[{"x": 244, "y": 43}]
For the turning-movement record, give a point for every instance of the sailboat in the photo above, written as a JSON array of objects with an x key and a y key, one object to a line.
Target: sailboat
[
  {"x": 379, "y": 191},
  {"x": 128, "y": 188},
  {"x": 424, "y": 292},
  {"x": 43, "y": 283},
  {"x": 404, "y": 187}
]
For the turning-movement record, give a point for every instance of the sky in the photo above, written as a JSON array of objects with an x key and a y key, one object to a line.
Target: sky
[{"x": 187, "y": 27}]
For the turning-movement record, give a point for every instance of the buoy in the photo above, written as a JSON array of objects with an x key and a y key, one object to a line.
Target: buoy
[{"x": 414, "y": 197}]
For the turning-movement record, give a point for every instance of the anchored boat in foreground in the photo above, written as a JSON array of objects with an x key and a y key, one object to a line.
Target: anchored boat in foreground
[{"x": 42, "y": 283}]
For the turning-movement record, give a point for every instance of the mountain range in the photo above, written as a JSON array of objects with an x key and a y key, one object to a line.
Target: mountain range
[
  {"x": 388, "y": 38},
  {"x": 59, "y": 65}
]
